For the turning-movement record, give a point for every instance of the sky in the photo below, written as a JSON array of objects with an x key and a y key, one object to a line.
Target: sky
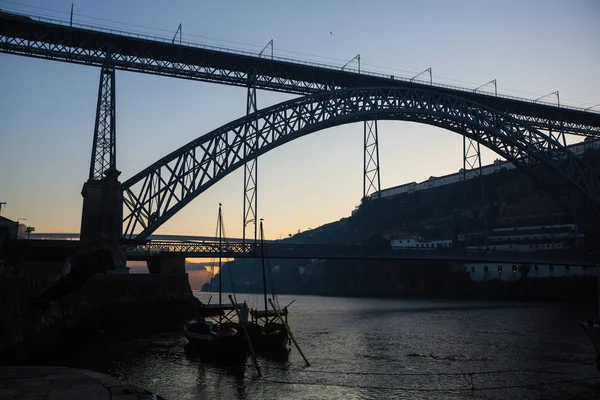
[{"x": 47, "y": 108}]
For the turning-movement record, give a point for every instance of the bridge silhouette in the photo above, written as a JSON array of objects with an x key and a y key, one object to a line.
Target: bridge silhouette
[
  {"x": 350, "y": 252},
  {"x": 212, "y": 248},
  {"x": 527, "y": 133}
]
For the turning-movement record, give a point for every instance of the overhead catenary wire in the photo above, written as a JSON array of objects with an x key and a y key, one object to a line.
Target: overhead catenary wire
[
  {"x": 443, "y": 390},
  {"x": 493, "y": 372},
  {"x": 470, "y": 388},
  {"x": 432, "y": 374}
]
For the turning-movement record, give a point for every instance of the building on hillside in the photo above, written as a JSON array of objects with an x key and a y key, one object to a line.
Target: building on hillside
[
  {"x": 497, "y": 166},
  {"x": 542, "y": 238},
  {"x": 8, "y": 228},
  {"x": 529, "y": 222},
  {"x": 417, "y": 242}
]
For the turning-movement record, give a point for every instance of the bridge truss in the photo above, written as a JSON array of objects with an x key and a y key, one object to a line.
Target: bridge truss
[
  {"x": 102, "y": 47},
  {"x": 344, "y": 252},
  {"x": 155, "y": 194},
  {"x": 510, "y": 126}
]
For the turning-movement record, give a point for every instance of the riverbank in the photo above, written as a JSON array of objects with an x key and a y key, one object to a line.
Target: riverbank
[
  {"x": 46, "y": 382},
  {"x": 34, "y": 332}
]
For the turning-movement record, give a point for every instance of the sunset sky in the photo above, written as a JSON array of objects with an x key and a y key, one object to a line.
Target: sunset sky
[{"x": 47, "y": 109}]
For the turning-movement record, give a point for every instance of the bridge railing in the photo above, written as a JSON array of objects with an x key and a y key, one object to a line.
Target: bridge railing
[
  {"x": 97, "y": 28},
  {"x": 288, "y": 250}
]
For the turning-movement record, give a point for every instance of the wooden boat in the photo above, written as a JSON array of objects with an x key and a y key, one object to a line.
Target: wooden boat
[
  {"x": 216, "y": 332},
  {"x": 593, "y": 332},
  {"x": 267, "y": 332}
]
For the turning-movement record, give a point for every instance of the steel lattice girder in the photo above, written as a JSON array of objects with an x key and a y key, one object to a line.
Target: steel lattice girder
[
  {"x": 87, "y": 46},
  {"x": 155, "y": 194},
  {"x": 104, "y": 147},
  {"x": 371, "y": 178},
  {"x": 296, "y": 251},
  {"x": 251, "y": 167}
]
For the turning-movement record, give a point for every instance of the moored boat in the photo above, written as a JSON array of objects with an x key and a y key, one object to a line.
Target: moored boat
[
  {"x": 268, "y": 335},
  {"x": 216, "y": 332},
  {"x": 593, "y": 332},
  {"x": 267, "y": 330}
]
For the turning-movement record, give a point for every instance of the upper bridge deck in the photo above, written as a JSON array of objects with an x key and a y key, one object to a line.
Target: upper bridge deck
[{"x": 91, "y": 45}]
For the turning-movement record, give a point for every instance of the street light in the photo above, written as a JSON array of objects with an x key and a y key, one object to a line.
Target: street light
[{"x": 29, "y": 229}]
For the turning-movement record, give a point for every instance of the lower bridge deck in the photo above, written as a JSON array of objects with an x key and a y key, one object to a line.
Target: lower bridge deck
[
  {"x": 43, "y": 249},
  {"x": 351, "y": 252}
]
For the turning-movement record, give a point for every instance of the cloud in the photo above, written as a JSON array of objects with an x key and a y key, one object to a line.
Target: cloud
[
  {"x": 194, "y": 267},
  {"x": 198, "y": 278}
]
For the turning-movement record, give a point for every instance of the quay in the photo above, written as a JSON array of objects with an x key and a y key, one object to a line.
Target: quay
[{"x": 61, "y": 383}]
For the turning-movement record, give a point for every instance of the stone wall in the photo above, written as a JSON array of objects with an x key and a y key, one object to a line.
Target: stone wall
[{"x": 105, "y": 302}]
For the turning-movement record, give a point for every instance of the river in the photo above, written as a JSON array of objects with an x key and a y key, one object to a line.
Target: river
[{"x": 363, "y": 348}]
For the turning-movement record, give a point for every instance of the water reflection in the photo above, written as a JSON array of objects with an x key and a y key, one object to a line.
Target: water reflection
[
  {"x": 221, "y": 380},
  {"x": 375, "y": 348}
]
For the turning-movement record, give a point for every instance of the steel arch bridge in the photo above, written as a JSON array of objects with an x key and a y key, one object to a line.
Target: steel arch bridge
[{"x": 155, "y": 194}]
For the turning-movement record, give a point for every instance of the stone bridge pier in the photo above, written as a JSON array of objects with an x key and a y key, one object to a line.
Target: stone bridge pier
[
  {"x": 101, "y": 218},
  {"x": 166, "y": 264}
]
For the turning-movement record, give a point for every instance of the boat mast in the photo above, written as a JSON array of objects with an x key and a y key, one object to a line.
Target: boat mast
[
  {"x": 262, "y": 256},
  {"x": 220, "y": 225}
]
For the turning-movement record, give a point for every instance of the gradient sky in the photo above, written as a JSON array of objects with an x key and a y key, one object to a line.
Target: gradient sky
[{"x": 47, "y": 109}]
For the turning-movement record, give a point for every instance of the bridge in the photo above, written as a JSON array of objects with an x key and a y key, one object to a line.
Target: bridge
[
  {"x": 178, "y": 251},
  {"x": 527, "y": 133},
  {"x": 154, "y": 237},
  {"x": 349, "y": 252}
]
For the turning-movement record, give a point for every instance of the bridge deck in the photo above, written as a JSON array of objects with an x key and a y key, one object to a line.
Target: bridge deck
[
  {"x": 346, "y": 252},
  {"x": 206, "y": 249},
  {"x": 88, "y": 45}
]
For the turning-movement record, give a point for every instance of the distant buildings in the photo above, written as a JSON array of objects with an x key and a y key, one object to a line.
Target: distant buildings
[
  {"x": 415, "y": 242},
  {"x": 529, "y": 222},
  {"x": 529, "y": 239},
  {"x": 8, "y": 229},
  {"x": 498, "y": 165}
]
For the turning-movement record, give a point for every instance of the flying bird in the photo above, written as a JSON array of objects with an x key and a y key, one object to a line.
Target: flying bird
[{"x": 331, "y": 33}]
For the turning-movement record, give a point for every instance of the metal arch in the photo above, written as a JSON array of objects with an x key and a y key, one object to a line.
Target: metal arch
[
  {"x": 154, "y": 195},
  {"x": 104, "y": 147}
]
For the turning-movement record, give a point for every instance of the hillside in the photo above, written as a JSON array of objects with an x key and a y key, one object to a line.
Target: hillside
[{"x": 511, "y": 198}]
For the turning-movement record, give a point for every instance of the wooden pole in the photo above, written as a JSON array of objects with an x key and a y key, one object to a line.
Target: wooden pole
[
  {"x": 289, "y": 331},
  {"x": 247, "y": 336}
]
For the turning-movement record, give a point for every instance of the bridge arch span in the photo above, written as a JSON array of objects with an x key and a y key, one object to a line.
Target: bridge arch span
[{"x": 155, "y": 194}]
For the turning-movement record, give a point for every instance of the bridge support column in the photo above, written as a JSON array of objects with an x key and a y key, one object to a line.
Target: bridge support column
[
  {"x": 104, "y": 147},
  {"x": 251, "y": 167},
  {"x": 102, "y": 217},
  {"x": 371, "y": 179},
  {"x": 102, "y": 214},
  {"x": 165, "y": 264},
  {"x": 472, "y": 169}
]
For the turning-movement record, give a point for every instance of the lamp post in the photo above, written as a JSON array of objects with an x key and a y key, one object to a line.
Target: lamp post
[{"x": 29, "y": 229}]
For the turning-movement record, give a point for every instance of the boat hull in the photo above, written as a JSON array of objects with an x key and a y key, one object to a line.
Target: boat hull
[
  {"x": 226, "y": 340},
  {"x": 593, "y": 332},
  {"x": 269, "y": 339}
]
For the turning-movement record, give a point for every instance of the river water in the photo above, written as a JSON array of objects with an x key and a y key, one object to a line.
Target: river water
[{"x": 385, "y": 348}]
